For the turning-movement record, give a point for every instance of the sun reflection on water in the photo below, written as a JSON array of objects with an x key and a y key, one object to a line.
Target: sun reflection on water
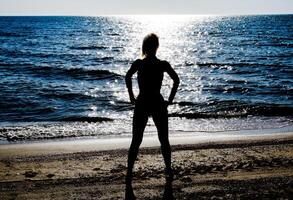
[
  {"x": 176, "y": 46},
  {"x": 169, "y": 28}
]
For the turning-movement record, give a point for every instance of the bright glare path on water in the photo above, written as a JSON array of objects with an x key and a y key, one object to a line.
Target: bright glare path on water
[{"x": 175, "y": 44}]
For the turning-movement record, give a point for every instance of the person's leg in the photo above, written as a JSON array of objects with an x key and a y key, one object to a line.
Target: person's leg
[
  {"x": 140, "y": 119},
  {"x": 161, "y": 121}
]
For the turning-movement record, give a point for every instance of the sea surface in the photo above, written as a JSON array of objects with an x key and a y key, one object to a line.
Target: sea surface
[{"x": 63, "y": 77}]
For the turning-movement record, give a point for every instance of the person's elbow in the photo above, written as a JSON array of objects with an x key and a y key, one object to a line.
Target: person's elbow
[
  {"x": 128, "y": 79},
  {"x": 176, "y": 81}
]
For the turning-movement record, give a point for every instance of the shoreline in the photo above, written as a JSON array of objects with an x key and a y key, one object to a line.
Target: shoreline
[
  {"x": 34, "y": 132},
  {"x": 75, "y": 145}
]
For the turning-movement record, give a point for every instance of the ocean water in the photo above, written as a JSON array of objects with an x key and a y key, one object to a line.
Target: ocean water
[{"x": 64, "y": 76}]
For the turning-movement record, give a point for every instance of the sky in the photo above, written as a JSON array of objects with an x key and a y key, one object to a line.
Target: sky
[{"x": 145, "y": 7}]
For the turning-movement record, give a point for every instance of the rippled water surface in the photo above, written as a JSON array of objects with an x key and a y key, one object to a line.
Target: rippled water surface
[{"x": 236, "y": 72}]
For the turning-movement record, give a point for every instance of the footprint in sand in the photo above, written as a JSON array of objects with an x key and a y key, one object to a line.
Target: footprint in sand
[{"x": 30, "y": 174}]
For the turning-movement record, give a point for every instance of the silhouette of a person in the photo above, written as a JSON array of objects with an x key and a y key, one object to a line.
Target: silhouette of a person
[{"x": 149, "y": 102}]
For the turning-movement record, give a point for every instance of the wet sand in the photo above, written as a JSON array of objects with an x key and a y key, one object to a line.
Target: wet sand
[{"x": 241, "y": 168}]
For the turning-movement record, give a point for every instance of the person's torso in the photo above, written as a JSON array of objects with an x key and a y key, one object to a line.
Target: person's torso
[{"x": 150, "y": 77}]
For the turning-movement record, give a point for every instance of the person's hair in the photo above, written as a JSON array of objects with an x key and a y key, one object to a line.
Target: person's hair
[{"x": 150, "y": 44}]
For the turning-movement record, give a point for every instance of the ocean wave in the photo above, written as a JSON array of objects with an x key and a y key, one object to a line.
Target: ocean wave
[
  {"x": 11, "y": 34},
  {"x": 122, "y": 128},
  {"x": 226, "y": 89},
  {"x": 50, "y": 71},
  {"x": 93, "y": 74},
  {"x": 103, "y": 59},
  {"x": 65, "y": 57},
  {"x": 51, "y": 130},
  {"x": 84, "y": 119},
  {"x": 64, "y": 95},
  {"x": 235, "y": 64},
  {"x": 289, "y": 55},
  {"x": 20, "y": 53},
  {"x": 230, "y": 109},
  {"x": 113, "y": 34},
  {"x": 221, "y": 109},
  {"x": 237, "y": 82},
  {"x": 288, "y": 45},
  {"x": 88, "y": 47}
]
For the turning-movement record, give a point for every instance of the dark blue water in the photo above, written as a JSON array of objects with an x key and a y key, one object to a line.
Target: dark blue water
[{"x": 55, "y": 69}]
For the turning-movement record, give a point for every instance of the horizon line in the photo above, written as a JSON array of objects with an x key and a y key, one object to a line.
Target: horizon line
[{"x": 122, "y": 15}]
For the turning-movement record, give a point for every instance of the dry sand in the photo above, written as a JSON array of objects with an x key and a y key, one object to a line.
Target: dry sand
[{"x": 242, "y": 168}]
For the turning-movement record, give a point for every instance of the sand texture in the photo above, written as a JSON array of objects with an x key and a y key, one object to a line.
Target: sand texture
[{"x": 217, "y": 171}]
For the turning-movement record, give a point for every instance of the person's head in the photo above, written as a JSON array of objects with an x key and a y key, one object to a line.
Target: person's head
[{"x": 150, "y": 45}]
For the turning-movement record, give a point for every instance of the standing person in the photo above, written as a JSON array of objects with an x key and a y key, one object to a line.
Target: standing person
[{"x": 149, "y": 102}]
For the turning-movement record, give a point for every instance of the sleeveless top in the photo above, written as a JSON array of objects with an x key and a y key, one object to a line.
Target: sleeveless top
[{"x": 150, "y": 75}]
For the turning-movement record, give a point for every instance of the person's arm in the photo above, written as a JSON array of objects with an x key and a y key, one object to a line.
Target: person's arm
[
  {"x": 133, "y": 69},
  {"x": 173, "y": 75}
]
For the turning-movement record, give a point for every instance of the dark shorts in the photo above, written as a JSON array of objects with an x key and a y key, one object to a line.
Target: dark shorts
[
  {"x": 151, "y": 106},
  {"x": 157, "y": 109}
]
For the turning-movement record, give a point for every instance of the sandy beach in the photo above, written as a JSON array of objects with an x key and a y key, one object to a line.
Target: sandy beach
[{"x": 239, "y": 168}]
